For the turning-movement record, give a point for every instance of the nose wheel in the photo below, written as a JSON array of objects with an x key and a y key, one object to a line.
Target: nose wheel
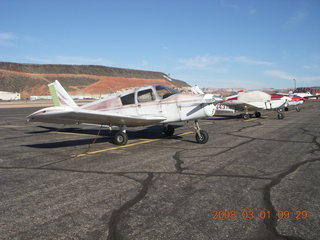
[
  {"x": 246, "y": 115},
  {"x": 280, "y": 114},
  {"x": 201, "y": 135}
]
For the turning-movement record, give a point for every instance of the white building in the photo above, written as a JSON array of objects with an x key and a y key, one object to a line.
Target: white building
[
  {"x": 9, "y": 96},
  {"x": 34, "y": 98}
]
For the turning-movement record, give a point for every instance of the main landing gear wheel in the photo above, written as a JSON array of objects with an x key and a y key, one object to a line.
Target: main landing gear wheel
[
  {"x": 257, "y": 114},
  {"x": 168, "y": 130},
  {"x": 280, "y": 116},
  {"x": 245, "y": 116},
  {"x": 121, "y": 138},
  {"x": 202, "y": 137}
]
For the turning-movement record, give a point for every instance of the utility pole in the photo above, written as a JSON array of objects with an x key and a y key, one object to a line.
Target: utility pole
[{"x": 295, "y": 84}]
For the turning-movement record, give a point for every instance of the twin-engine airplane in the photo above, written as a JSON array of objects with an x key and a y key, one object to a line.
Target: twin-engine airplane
[{"x": 141, "y": 106}]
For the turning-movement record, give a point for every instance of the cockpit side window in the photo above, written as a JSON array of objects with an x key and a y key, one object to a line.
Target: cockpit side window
[
  {"x": 145, "y": 96},
  {"x": 165, "y": 92},
  {"x": 127, "y": 99}
]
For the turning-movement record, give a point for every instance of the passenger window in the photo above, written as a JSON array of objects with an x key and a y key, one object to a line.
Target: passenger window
[
  {"x": 145, "y": 96},
  {"x": 127, "y": 99}
]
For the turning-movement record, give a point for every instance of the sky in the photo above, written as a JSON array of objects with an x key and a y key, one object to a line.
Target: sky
[{"x": 248, "y": 44}]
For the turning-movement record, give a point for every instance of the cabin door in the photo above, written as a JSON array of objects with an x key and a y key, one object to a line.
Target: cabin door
[{"x": 147, "y": 104}]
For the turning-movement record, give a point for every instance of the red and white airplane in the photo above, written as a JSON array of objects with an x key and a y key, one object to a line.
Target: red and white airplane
[
  {"x": 254, "y": 101},
  {"x": 305, "y": 95},
  {"x": 293, "y": 101},
  {"x": 141, "y": 106}
]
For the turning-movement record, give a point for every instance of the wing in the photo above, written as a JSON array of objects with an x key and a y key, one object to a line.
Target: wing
[
  {"x": 241, "y": 106},
  {"x": 68, "y": 115}
]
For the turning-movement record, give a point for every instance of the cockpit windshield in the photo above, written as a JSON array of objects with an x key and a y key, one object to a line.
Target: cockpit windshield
[{"x": 164, "y": 91}]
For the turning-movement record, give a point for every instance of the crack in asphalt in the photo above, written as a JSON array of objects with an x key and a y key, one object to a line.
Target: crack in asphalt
[
  {"x": 123, "y": 174},
  {"x": 271, "y": 223},
  {"x": 129, "y": 177},
  {"x": 116, "y": 214},
  {"x": 232, "y": 148},
  {"x": 314, "y": 139},
  {"x": 233, "y": 133},
  {"x": 52, "y": 163},
  {"x": 179, "y": 162},
  {"x": 227, "y": 175},
  {"x": 265, "y": 139}
]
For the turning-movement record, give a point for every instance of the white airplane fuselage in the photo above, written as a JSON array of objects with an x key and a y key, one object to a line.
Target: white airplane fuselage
[
  {"x": 176, "y": 108},
  {"x": 132, "y": 103},
  {"x": 142, "y": 106}
]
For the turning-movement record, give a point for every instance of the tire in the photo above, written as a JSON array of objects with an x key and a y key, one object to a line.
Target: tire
[
  {"x": 169, "y": 130},
  {"x": 286, "y": 109},
  {"x": 297, "y": 109},
  {"x": 245, "y": 116},
  {"x": 203, "y": 138},
  {"x": 280, "y": 116},
  {"x": 257, "y": 114},
  {"x": 120, "y": 138}
]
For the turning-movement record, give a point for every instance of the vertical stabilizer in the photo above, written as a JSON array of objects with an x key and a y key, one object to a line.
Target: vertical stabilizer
[{"x": 59, "y": 96}]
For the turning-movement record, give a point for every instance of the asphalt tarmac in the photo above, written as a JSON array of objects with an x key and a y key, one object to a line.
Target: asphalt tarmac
[{"x": 255, "y": 179}]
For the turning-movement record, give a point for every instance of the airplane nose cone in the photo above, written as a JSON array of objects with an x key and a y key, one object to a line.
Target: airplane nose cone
[
  {"x": 211, "y": 100},
  {"x": 209, "y": 110}
]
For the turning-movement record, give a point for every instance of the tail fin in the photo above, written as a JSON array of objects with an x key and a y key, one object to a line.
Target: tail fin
[{"x": 59, "y": 96}]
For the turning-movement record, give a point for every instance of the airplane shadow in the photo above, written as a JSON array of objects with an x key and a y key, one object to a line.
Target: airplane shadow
[
  {"x": 68, "y": 143},
  {"x": 69, "y": 130},
  {"x": 151, "y": 132},
  {"x": 224, "y": 117}
]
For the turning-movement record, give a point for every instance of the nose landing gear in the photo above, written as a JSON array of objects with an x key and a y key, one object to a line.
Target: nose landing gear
[
  {"x": 280, "y": 114},
  {"x": 201, "y": 135}
]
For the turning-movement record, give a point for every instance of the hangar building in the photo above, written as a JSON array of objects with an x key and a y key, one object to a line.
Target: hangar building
[{"x": 9, "y": 96}]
